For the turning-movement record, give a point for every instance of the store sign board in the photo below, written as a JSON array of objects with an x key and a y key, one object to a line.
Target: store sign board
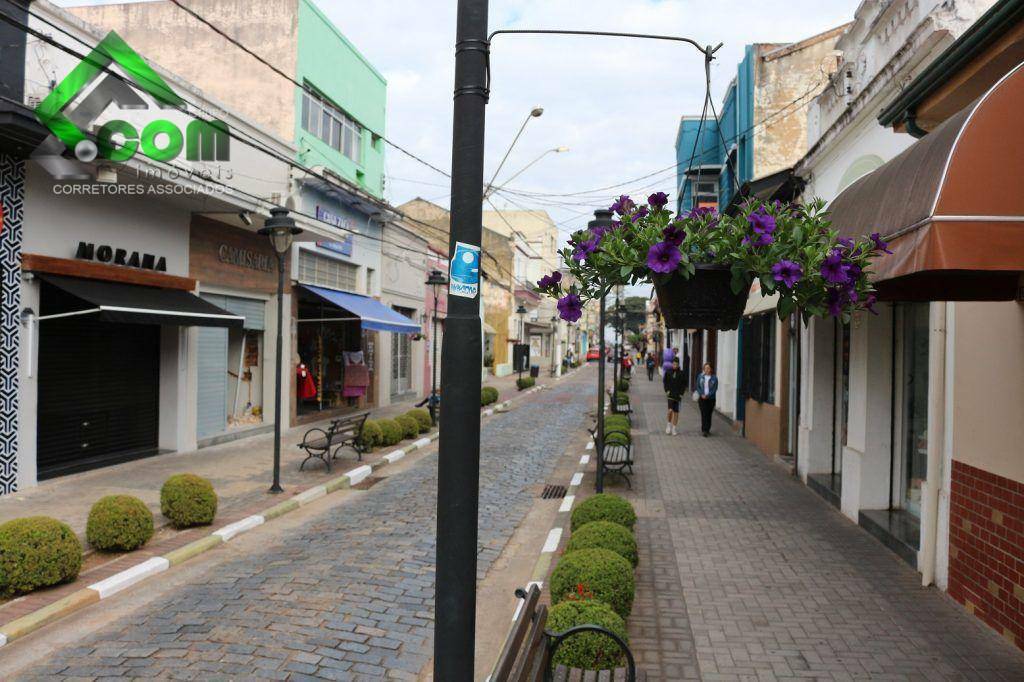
[
  {"x": 243, "y": 258},
  {"x": 117, "y": 256}
]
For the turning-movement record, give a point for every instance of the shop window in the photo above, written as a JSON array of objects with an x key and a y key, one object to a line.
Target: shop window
[
  {"x": 913, "y": 414},
  {"x": 332, "y": 126},
  {"x": 759, "y": 357},
  {"x": 327, "y": 272},
  {"x": 401, "y": 357}
]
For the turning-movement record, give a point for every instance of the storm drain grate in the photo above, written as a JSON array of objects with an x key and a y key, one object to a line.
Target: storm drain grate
[{"x": 553, "y": 492}]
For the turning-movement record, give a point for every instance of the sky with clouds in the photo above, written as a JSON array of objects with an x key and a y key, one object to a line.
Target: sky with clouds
[{"x": 614, "y": 102}]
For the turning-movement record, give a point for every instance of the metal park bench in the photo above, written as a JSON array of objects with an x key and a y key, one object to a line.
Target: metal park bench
[
  {"x": 344, "y": 432},
  {"x": 528, "y": 652},
  {"x": 618, "y": 456}
]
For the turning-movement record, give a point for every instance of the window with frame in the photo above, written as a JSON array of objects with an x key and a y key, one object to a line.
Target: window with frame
[
  {"x": 326, "y": 272},
  {"x": 332, "y": 126},
  {"x": 759, "y": 357}
]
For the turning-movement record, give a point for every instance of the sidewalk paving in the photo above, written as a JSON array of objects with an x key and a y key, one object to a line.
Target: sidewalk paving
[{"x": 747, "y": 574}]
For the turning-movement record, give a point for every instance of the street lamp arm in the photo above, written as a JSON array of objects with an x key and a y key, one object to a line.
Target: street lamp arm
[
  {"x": 493, "y": 188},
  {"x": 708, "y": 50}
]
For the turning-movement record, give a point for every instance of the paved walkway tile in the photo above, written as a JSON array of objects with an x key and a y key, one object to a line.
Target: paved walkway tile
[
  {"x": 747, "y": 574},
  {"x": 348, "y": 597}
]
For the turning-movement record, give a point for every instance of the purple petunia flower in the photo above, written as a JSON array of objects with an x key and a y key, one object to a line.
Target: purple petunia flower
[
  {"x": 880, "y": 245},
  {"x": 658, "y": 200},
  {"x": 663, "y": 257},
  {"x": 548, "y": 281},
  {"x": 853, "y": 272},
  {"x": 845, "y": 242},
  {"x": 585, "y": 248},
  {"x": 640, "y": 213},
  {"x": 759, "y": 239},
  {"x": 701, "y": 211},
  {"x": 622, "y": 205},
  {"x": 761, "y": 221},
  {"x": 787, "y": 272},
  {"x": 869, "y": 303},
  {"x": 674, "y": 234},
  {"x": 832, "y": 268},
  {"x": 570, "y": 307},
  {"x": 834, "y": 299}
]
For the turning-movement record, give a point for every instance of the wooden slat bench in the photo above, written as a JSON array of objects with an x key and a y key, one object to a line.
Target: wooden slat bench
[
  {"x": 617, "y": 459},
  {"x": 527, "y": 653},
  {"x": 342, "y": 433}
]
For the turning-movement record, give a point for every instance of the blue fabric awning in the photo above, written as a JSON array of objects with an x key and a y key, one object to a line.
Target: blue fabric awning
[{"x": 372, "y": 313}]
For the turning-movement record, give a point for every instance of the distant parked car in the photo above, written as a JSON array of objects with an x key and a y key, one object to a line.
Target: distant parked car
[{"x": 593, "y": 354}]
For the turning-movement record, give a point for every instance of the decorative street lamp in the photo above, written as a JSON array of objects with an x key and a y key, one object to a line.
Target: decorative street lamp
[
  {"x": 602, "y": 218},
  {"x": 554, "y": 342},
  {"x": 282, "y": 230},
  {"x": 435, "y": 280},
  {"x": 521, "y": 312}
]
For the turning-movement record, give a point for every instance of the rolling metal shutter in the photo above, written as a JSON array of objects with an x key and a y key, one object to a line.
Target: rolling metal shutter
[{"x": 99, "y": 393}]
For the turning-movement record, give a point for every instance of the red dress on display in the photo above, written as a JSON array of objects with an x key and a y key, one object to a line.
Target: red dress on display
[{"x": 306, "y": 387}]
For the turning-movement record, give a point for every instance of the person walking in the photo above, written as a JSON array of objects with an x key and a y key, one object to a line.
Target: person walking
[
  {"x": 652, "y": 364},
  {"x": 674, "y": 383},
  {"x": 707, "y": 387}
]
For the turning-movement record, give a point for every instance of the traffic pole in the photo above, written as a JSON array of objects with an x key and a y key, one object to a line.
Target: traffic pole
[{"x": 459, "y": 450}]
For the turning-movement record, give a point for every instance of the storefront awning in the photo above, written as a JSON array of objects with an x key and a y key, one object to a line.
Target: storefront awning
[
  {"x": 950, "y": 205},
  {"x": 133, "y": 303},
  {"x": 372, "y": 313}
]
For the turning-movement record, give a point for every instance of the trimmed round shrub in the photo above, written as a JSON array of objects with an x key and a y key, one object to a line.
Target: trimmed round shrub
[
  {"x": 605, "y": 535},
  {"x": 35, "y": 552},
  {"x": 422, "y": 417},
  {"x": 624, "y": 385},
  {"x": 598, "y": 573},
  {"x": 391, "y": 431},
  {"x": 587, "y": 650},
  {"x": 119, "y": 523},
  {"x": 616, "y": 438},
  {"x": 188, "y": 500},
  {"x": 488, "y": 395},
  {"x": 371, "y": 436},
  {"x": 616, "y": 420},
  {"x": 604, "y": 507},
  {"x": 410, "y": 427},
  {"x": 525, "y": 382},
  {"x": 621, "y": 398}
]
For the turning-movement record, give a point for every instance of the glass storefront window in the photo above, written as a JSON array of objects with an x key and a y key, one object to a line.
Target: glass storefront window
[{"x": 914, "y": 416}]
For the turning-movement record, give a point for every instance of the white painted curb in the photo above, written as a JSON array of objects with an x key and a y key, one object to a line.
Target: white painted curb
[
  {"x": 130, "y": 576},
  {"x": 358, "y": 474},
  {"x": 584, "y": 460},
  {"x": 309, "y": 495},
  {"x": 232, "y": 529},
  {"x": 551, "y": 544},
  {"x": 393, "y": 457},
  {"x": 590, "y": 445},
  {"x": 421, "y": 443},
  {"x": 488, "y": 413},
  {"x": 567, "y": 503},
  {"x": 577, "y": 478}
]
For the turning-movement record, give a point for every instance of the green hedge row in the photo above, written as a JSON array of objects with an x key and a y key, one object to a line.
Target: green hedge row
[
  {"x": 593, "y": 582},
  {"x": 40, "y": 551},
  {"x": 525, "y": 382},
  {"x": 388, "y": 432}
]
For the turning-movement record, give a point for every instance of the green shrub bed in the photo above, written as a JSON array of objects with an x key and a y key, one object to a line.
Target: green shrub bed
[
  {"x": 616, "y": 438},
  {"x": 188, "y": 500},
  {"x": 391, "y": 432},
  {"x": 35, "y": 552},
  {"x": 422, "y": 417},
  {"x": 604, "y": 507},
  {"x": 410, "y": 427},
  {"x": 605, "y": 535},
  {"x": 525, "y": 382},
  {"x": 488, "y": 395},
  {"x": 119, "y": 523},
  {"x": 624, "y": 385},
  {"x": 599, "y": 573},
  {"x": 371, "y": 435},
  {"x": 587, "y": 650}
]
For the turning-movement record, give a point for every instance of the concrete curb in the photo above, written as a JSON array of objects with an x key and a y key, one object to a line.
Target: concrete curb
[{"x": 19, "y": 627}]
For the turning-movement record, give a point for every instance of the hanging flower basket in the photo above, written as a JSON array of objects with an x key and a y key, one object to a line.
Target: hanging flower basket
[
  {"x": 704, "y": 301},
  {"x": 702, "y": 264}
]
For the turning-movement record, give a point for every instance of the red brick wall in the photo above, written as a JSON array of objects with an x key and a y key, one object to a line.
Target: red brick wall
[{"x": 986, "y": 548}]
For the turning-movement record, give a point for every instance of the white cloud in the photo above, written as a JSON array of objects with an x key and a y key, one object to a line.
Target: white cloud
[{"x": 615, "y": 102}]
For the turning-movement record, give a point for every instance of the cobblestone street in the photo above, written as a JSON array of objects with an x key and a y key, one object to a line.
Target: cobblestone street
[
  {"x": 747, "y": 574},
  {"x": 350, "y": 595}
]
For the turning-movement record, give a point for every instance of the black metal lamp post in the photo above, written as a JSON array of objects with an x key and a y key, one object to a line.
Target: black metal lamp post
[
  {"x": 282, "y": 230},
  {"x": 521, "y": 312},
  {"x": 554, "y": 343},
  {"x": 602, "y": 218},
  {"x": 435, "y": 280}
]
